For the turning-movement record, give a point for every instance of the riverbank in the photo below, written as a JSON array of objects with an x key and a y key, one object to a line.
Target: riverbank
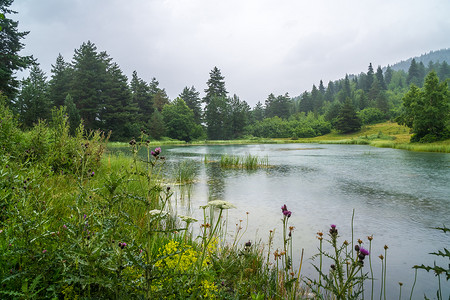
[{"x": 384, "y": 135}]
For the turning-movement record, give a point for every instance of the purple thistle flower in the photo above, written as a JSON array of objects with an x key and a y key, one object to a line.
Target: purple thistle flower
[
  {"x": 363, "y": 251},
  {"x": 287, "y": 213},
  {"x": 333, "y": 226},
  {"x": 284, "y": 208}
]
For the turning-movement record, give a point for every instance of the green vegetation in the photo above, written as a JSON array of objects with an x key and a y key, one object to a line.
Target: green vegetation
[
  {"x": 97, "y": 94},
  {"x": 76, "y": 223},
  {"x": 248, "y": 162}
]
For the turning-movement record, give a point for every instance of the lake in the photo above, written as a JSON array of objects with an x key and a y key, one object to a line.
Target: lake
[{"x": 398, "y": 197}]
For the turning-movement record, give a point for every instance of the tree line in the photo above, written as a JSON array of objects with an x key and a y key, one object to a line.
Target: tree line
[{"x": 97, "y": 93}]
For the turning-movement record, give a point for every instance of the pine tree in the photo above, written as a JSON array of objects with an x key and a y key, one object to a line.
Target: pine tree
[
  {"x": 329, "y": 93},
  {"x": 193, "y": 101},
  {"x": 142, "y": 97},
  {"x": 388, "y": 75},
  {"x": 316, "y": 99},
  {"x": 216, "y": 86},
  {"x": 306, "y": 105},
  {"x": 33, "y": 100},
  {"x": 156, "y": 125},
  {"x": 240, "y": 116},
  {"x": 427, "y": 111},
  {"x": 88, "y": 82},
  {"x": 258, "y": 112},
  {"x": 118, "y": 113},
  {"x": 160, "y": 99},
  {"x": 380, "y": 78},
  {"x": 217, "y": 118},
  {"x": 347, "y": 120},
  {"x": 414, "y": 74},
  {"x": 369, "y": 78},
  {"x": 74, "y": 117},
  {"x": 59, "y": 85},
  {"x": 10, "y": 47},
  {"x": 321, "y": 88}
]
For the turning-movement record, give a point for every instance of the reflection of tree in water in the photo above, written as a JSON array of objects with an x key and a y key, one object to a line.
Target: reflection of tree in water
[{"x": 216, "y": 182}]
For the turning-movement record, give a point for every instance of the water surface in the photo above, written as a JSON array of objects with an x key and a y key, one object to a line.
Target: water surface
[{"x": 398, "y": 197}]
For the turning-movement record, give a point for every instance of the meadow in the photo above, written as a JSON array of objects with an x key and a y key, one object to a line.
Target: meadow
[{"x": 77, "y": 222}]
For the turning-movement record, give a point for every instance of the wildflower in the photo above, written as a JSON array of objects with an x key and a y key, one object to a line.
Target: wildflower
[
  {"x": 43, "y": 251},
  {"x": 357, "y": 248},
  {"x": 156, "y": 152},
  {"x": 156, "y": 212},
  {"x": 187, "y": 219},
  {"x": 220, "y": 204},
  {"x": 370, "y": 237},
  {"x": 360, "y": 241},
  {"x": 364, "y": 251},
  {"x": 333, "y": 230},
  {"x": 132, "y": 142},
  {"x": 92, "y": 174},
  {"x": 248, "y": 244},
  {"x": 285, "y": 211},
  {"x": 386, "y": 247},
  {"x": 381, "y": 256}
]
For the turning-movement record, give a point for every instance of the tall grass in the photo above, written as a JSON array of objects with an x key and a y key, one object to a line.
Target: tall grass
[{"x": 248, "y": 162}]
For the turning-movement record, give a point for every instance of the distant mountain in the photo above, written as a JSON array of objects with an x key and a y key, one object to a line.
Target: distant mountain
[{"x": 434, "y": 56}]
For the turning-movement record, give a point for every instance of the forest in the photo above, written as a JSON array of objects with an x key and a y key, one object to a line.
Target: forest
[{"x": 97, "y": 93}]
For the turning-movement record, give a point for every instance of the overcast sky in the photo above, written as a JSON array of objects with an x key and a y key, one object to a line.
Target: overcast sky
[{"x": 260, "y": 46}]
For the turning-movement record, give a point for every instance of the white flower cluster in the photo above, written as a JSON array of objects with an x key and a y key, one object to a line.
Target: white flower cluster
[
  {"x": 220, "y": 204},
  {"x": 187, "y": 219},
  {"x": 156, "y": 212}
]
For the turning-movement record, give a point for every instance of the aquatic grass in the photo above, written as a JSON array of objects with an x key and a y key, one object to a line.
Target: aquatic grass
[
  {"x": 248, "y": 162},
  {"x": 185, "y": 172}
]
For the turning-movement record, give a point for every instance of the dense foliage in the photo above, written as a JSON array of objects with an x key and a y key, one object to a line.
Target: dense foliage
[
  {"x": 427, "y": 111},
  {"x": 97, "y": 94}
]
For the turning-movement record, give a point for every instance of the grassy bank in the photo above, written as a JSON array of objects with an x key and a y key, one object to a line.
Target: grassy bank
[{"x": 385, "y": 135}]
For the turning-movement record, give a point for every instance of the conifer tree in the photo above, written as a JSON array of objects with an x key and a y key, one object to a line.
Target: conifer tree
[
  {"x": 347, "y": 120},
  {"x": 74, "y": 117},
  {"x": 217, "y": 118},
  {"x": 118, "y": 113},
  {"x": 216, "y": 86},
  {"x": 33, "y": 100},
  {"x": 258, "y": 112},
  {"x": 88, "y": 82},
  {"x": 10, "y": 47},
  {"x": 380, "y": 78},
  {"x": 369, "y": 78},
  {"x": 414, "y": 74},
  {"x": 427, "y": 111},
  {"x": 59, "y": 84},
  {"x": 192, "y": 99},
  {"x": 142, "y": 97},
  {"x": 240, "y": 115},
  {"x": 388, "y": 75}
]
